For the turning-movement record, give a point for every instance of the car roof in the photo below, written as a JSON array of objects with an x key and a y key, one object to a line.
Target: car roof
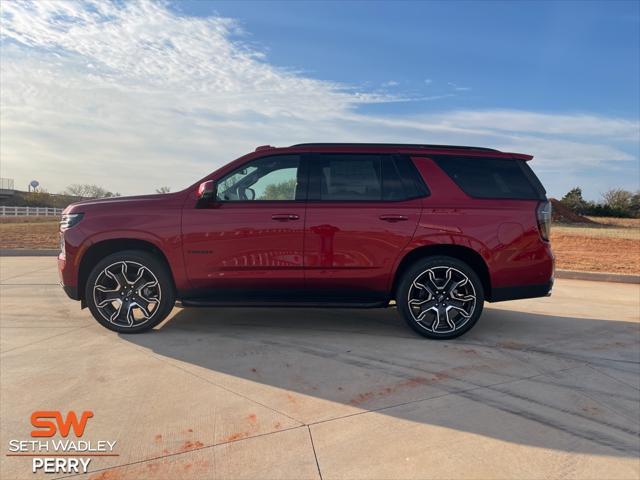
[
  {"x": 407, "y": 148},
  {"x": 417, "y": 146}
]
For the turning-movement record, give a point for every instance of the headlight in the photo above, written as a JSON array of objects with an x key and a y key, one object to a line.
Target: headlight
[{"x": 69, "y": 220}]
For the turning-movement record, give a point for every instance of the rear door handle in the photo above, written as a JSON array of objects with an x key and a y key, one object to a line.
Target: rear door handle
[
  {"x": 284, "y": 217},
  {"x": 393, "y": 218}
]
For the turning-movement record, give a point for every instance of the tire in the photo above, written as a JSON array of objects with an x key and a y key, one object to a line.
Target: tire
[
  {"x": 435, "y": 297},
  {"x": 143, "y": 287}
]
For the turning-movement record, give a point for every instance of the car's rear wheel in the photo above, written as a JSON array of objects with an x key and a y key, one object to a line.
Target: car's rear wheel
[
  {"x": 440, "y": 297},
  {"x": 130, "y": 291}
]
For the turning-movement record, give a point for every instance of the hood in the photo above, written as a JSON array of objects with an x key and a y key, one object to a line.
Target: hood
[{"x": 121, "y": 202}]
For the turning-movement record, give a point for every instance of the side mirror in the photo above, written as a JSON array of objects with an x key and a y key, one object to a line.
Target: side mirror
[{"x": 206, "y": 193}]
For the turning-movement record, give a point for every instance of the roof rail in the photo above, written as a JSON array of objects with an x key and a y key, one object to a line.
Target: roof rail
[{"x": 396, "y": 145}]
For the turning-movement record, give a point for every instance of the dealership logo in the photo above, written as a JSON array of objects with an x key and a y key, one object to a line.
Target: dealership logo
[
  {"x": 61, "y": 455},
  {"x": 41, "y": 420}
]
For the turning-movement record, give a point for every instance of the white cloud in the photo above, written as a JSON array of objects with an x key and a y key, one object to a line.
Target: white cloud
[
  {"x": 551, "y": 124},
  {"x": 133, "y": 96},
  {"x": 458, "y": 88}
]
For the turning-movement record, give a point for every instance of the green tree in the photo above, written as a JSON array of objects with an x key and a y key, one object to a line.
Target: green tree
[
  {"x": 573, "y": 200},
  {"x": 280, "y": 191}
]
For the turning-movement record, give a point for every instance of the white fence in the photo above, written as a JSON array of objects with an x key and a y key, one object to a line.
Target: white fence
[{"x": 29, "y": 211}]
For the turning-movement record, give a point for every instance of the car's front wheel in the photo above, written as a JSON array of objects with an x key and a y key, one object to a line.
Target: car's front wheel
[
  {"x": 130, "y": 291},
  {"x": 440, "y": 297}
]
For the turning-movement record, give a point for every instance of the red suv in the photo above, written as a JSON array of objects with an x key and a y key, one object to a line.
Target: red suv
[{"x": 434, "y": 230}]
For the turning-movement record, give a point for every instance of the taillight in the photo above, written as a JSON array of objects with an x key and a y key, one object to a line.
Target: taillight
[{"x": 543, "y": 213}]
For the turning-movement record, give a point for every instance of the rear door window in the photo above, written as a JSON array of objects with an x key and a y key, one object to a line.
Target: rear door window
[
  {"x": 345, "y": 177},
  {"x": 359, "y": 177},
  {"x": 392, "y": 186}
]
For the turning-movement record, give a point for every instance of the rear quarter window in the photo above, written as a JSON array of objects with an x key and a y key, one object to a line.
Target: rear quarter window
[{"x": 482, "y": 177}]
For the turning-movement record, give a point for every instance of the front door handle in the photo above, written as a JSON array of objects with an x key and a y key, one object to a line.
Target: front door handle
[
  {"x": 284, "y": 217},
  {"x": 393, "y": 218}
]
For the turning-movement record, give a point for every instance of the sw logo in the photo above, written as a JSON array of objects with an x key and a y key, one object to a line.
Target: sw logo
[{"x": 48, "y": 428}]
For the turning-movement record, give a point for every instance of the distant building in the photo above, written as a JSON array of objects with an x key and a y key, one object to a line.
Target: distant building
[{"x": 6, "y": 187}]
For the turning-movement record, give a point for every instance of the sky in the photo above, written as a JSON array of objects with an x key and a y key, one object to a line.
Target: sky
[{"x": 133, "y": 96}]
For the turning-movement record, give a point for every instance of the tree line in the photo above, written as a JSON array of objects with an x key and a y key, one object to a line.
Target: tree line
[
  {"x": 40, "y": 197},
  {"x": 615, "y": 202}
]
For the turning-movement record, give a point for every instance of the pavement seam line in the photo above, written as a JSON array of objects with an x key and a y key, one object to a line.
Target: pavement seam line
[
  {"x": 177, "y": 454},
  {"x": 577, "y": 391},
  {"x": 513, "y": 354},
  {"x": 315, "y": 455},
  {"x": 544, "y": 346},
  {"x": 582, "y": 393},
  {"x": 41, "y": 340},
  {"x": 622, "y": 382},
  {"x": 466, "y": 392},
  {"x": 23, "y": 274},
  {"x": 161, "y": 359},
  {"x": 534, "y": 349},
  {"x": 426, "y": 399},
  {"x": 37, "y": 327}
]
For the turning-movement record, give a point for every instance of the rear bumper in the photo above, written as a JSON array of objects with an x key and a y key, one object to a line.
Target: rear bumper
[{"x": 502, "y": 294}]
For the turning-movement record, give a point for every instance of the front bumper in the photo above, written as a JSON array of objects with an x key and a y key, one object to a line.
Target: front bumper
[
  {"x": 67, "y": 277},
  {"x": 71, "y": 291}
]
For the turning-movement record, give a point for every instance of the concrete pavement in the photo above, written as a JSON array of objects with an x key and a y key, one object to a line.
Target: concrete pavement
[{"x": 541, "y": 388}]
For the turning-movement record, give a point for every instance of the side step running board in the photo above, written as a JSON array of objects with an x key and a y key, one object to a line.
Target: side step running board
[{"x": 208, "y": 302}]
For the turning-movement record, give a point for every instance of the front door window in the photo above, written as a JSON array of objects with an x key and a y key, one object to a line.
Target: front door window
[{"x": 266, "y": 179}]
